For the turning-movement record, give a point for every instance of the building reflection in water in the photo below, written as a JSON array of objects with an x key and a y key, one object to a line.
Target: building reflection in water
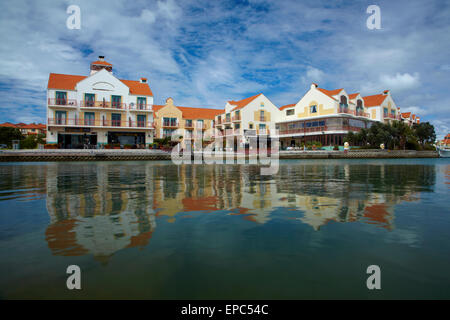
[{"x": 101, "y": 208}]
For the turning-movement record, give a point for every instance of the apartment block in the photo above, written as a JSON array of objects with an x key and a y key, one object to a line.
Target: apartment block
[{"x": 98, "y": 109}]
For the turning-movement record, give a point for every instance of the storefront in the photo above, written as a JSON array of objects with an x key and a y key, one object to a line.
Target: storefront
[
  {"x": 77, "y": 138},
  {"x": 126, "y": 138}
]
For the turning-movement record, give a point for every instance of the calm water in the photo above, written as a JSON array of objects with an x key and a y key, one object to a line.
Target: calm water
[{"x": 155, "y": 230}]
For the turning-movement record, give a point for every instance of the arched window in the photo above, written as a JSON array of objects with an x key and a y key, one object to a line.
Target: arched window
[
  {"x": 343, "y": 100},
  {"x": 359, "y": 104}
]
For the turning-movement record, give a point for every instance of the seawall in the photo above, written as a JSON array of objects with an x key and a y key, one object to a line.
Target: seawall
[{"x": 133, "y": 155}]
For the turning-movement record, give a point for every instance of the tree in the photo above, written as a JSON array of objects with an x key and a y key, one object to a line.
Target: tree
[
  {"x": 7, "y": 135},
  {"x": 424, "y": 132},
  {"x": 30, "y": 142}
]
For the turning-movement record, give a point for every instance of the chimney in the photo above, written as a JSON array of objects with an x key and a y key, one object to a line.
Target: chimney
[
  {"x": 385, "y": 92},
  {"x": 314, "y": 85},
  {"x": 101, "y": 58},
  {"x": 143, "y": 80}
]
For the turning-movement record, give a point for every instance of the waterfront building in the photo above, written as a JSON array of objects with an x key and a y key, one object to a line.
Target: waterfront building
[
  {"x": 98, "y": 109},
  {"x": 409, "y": 118},
  {"x": 322, "y": 115},
  {"x": 250, "y": 117},
  {"x": 382, "y": 107},
  {"x": 27, "y": 129},
  {"x": 186, "y": 122}
]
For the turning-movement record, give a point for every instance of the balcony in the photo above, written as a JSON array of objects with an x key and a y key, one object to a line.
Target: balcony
[
  {"x": 304, "y": 130},
  {"x": 236, "y": 118},
  {"x": 100, "y": 123},
  {"x": 140, "y": 107},
  {"x": 362, "y": 114},
  {"x": 103, "y": 105},
  {"x": 62, "y": 102},
  {"x": 170, "y": 124},
  {"x": 189, "y": 125},
  {"x": 391, "y": 116},
  {"x": 346, "y": 110}
]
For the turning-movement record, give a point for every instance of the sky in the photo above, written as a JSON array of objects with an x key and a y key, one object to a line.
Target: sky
[{"x": 204, "y": 53}]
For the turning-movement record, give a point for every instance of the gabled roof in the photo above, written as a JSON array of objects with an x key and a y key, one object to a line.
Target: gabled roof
[
  {"x": 330, "y": 93},
  {"x": 69, "y": 82},
  {"x": 375, "y": 100},
  {"x": 352, "y": 96},
  {"x": 242, "y": 103},
  {"x": 287, "y": 106}
]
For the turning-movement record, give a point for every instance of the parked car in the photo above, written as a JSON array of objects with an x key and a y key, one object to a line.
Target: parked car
[{"x": 3, "y": 146}]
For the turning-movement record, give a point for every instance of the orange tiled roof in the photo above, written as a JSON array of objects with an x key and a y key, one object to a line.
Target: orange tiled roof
[
  {"x": 242, "y": 103},
  {"x": 200, "y": 113},
  {"x": 287, "y": 106},
  {"x": 414, "y": 117},
  {"x": 69, "y": 81},
  {"x": 102, "y": 63},
  {"x": 353, "y": 95},
  {"x": 63, "y": 81},
  {"x": 137, "y": 87},
  {"x": 375, "y": 100},
  {"x": 406, "y": 114},
  {"x": 194, "y": 113},
  {"x": 330, "y": 93},
  {"x": 8, "y": 125}
]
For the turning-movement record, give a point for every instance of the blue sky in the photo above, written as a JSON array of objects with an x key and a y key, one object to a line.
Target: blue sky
[{"x": 203, "y": 53}]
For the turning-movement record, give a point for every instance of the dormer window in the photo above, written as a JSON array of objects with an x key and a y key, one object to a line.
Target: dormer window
[
  {"x": 290, "y": 112},
  {"x": 313, "y": 109}
]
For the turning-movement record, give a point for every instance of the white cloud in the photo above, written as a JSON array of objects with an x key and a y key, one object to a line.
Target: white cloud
[
  {"x": 148, "y": 16},
  {"x": 313, "y": 75},
  {"x": 400, "y": 82}
]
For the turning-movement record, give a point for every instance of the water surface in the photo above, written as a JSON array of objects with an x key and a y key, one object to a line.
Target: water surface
[{"x": 154, "y": 230}]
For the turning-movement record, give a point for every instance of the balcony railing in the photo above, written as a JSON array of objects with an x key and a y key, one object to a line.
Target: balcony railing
[
  {"x": 170, "y": 124},
  {"x": 100, "y": 123},
  {"x": 62, "y": 102},
  {"x": 346, "y": 110},
  {"x": 236, "y": 118},
  {"x": 189, "y": 125},
  {"x": 103, "y": 104},
  {"x": 304, "y": 130},
  {"x": 140, "y": 107},
  {"x": 391, "y": 116}
]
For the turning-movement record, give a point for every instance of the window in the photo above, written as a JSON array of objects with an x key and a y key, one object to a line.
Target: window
[
  {"x": 250, "y": 126},
  {"x": 200, "y": 124},
  {"x": 290, "y": 112},
  {"x": 89, "y": 118},
  {"x": 89, "y": 100},
  {"x": 385, "y": 111},
  {"x": 237, "y": 126},
  {"x": 116, "y": 102},
  {"x": 141, "y": 103},
  {"x": 261, "y": 116},
  {"x": 189, "y": 123},
  {"x": 262, "y": 104},
  {"x": 228, "y": 117},
  {"x": 61, "y": 98},
  {"x": 141, "y": 120},
  {"x": 168, "y": 132},
  {"x": 262, "y": 126},
  {"x": 313, "y": 109},
  {"x": 116, "y": 119},
  {"x": 60, "y": 117},
  {"x": 170, "y": 122}
]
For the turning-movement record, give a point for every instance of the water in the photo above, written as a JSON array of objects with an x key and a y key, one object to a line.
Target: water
[{"x": 155, "y": 230}]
